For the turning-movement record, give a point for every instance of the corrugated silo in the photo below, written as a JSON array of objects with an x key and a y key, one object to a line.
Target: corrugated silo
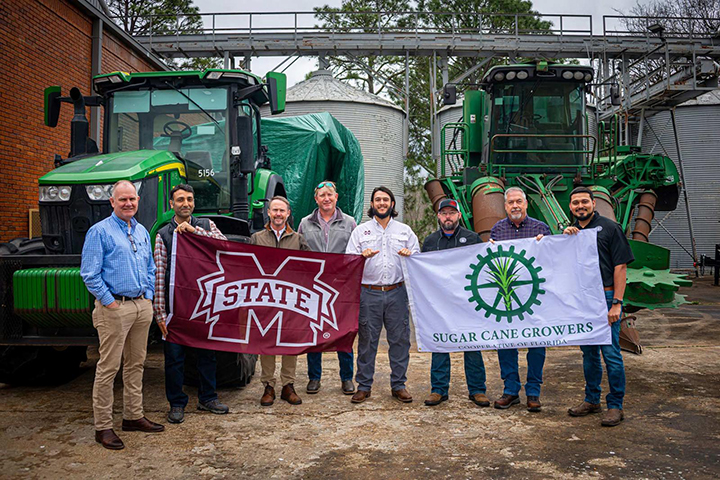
[
  {"x": 376, "y": 122},
  {"x": 698, "y": 123}
]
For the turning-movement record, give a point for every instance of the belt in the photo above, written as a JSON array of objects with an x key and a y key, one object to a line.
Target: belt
[
  {"x": 383, "y": 288},
  {"x": 609, "y": 289},
  {"x": 123, "y": 298}
]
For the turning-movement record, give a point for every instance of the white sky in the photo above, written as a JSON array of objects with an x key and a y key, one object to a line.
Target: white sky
[{"x": 297, "y": 72}]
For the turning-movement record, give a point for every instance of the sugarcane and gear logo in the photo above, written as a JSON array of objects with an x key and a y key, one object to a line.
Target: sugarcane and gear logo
[{"x": 505, "y": 283}]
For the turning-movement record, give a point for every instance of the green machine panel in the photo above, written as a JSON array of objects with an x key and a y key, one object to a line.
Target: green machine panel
[{"x": 52, "y": 297}]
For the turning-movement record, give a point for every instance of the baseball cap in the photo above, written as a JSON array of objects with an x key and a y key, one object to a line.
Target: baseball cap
[{"x": 448, "y": 202}]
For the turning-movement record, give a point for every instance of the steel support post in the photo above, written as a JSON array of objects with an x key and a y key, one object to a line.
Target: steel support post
[
  {"x": 96, "y": 69},
  {"x": 685, "y": 195},
  {"x": 406, "y": 125}
]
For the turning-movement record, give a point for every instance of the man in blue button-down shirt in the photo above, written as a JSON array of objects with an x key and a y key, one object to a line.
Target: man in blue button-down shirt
[{"x": 118, "y": 269}]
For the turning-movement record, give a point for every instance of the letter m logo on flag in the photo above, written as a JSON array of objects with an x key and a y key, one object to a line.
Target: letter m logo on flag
[{"x": 251, "y": 299}]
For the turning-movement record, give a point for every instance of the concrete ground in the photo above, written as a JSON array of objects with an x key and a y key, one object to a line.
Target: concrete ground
[{"x": 671, "y": 430}]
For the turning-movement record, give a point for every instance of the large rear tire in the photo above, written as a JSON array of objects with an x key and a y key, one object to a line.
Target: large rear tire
[
  {"x": 30, "y": 365},
  {"x": 233, "y": 369}
]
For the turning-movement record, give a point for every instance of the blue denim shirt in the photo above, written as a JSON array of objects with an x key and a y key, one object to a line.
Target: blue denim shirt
[{"x": 110, "y": 265}]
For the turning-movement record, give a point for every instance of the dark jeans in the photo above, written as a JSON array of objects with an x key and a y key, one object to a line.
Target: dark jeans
[
  {"x": 175, "y": 374},
  {"x": 510, "y": 374},
  {"x": 345, "y": 359},
  {"x": 613, "y": 363},
  {"x": 378, "y": 309},
  {"x": 474, "y": 372}
]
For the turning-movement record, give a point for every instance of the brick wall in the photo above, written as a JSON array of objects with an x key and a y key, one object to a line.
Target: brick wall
[{"x": 42, "y": 43}]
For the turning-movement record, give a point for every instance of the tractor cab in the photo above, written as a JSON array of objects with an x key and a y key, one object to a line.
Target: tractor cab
[
  {"x": 162, "y": 129},
  {"x": 537, "y": 117}
]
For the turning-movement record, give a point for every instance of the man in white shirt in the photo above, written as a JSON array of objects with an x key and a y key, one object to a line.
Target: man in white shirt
[{"x": 383, "y": 298}]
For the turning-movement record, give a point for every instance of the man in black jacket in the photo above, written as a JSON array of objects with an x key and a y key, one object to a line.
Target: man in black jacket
[{"x": 452, "y": 235}]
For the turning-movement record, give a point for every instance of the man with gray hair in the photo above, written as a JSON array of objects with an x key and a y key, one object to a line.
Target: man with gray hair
[
  {"x": 519, "y": 225},
  {"x": 118, "y": 269},
  {"x": 328, "y": 229}
]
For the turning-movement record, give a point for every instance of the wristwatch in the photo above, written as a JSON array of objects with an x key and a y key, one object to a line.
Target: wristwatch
[{"x": 617, "y": 301}]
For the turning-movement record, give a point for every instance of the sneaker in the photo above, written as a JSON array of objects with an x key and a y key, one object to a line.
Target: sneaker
[
  {"x": 176, "y": 415},
  {"x": 213, "y": 406},
  {"x": 313, "y": 387},
  {"x": 348, "y": 387},
  {"x": 506, "y": 401}
]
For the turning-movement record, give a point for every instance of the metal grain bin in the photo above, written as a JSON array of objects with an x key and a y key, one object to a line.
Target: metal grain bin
[
  {"x": 698, "y": 124},
  {"x": 376, "y": 122}
]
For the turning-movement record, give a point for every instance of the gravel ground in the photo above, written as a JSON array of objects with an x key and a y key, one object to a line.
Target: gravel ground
[{"x": 671, "y": 427}]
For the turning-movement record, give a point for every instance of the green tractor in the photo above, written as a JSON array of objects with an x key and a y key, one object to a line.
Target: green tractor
[
  {"x": 527, "y": 126},
  {"x": 160, "y": 129}
]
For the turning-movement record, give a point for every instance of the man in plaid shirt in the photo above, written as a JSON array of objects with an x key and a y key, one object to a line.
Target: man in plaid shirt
[
  {"x": 182, "y": 201},
  {"x": 519, "y": 225}
]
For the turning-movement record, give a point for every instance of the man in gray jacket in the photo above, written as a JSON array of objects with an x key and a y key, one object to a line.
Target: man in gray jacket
[{"x": 327, "y": 229}]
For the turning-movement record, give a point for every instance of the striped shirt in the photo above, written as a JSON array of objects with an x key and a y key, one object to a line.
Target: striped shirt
[
  {"x": 117, "y": 260},
  {"x": 161, "y": 261},
  {"x": 528, "y": 228}
]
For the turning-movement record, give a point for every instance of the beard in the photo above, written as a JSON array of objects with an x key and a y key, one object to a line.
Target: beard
[
  {"x": 381, "y": 216},
  {"x": 449, "y": 226},
  {"x": 584, "y": 217}
]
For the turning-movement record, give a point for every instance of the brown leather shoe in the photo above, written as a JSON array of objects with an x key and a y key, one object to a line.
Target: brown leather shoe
[
  {"x": 288, "y": 394},
  {"x": 584, "y": 408},
  {"x": 506, "y": 401},
  {"x": 612, "y": 417},
  {"x": 533, "y": 404},
  {"x": 108, "y": 439},
  {"x": 142, "y": 425},
  {"x": 435, "y": 399},
  {"x": 360, "y": 396},
  {"x": 480, "y": 399},
  {"x": 402, "y": 395},
  {"x": 268, "y": 397}
]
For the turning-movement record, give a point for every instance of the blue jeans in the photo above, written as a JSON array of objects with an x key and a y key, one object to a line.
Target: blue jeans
[
  {"x": 508, "y": 359},
  {"x": 175, "y": 374},
  {"x": 613, "y": 363},
  {"x": 345, "y": 359},
  {"x": 474, "y": 373}
]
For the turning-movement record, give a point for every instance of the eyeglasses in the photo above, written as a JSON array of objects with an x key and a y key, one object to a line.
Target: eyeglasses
[
  {"x": 132, "y": 243},
  {"x": 326, "y": 184}
]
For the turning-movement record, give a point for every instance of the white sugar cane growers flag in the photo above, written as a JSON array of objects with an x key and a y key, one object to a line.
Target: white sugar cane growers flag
[{"x": 512, "y": 294}]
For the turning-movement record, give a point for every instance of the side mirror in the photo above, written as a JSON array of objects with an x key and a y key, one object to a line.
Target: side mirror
[
  {"x": 449, "y": 94},
  {"x": 615, "y": 98},
  {"x": 52, "y": 106},
  {"x": 277, "y": 89}
]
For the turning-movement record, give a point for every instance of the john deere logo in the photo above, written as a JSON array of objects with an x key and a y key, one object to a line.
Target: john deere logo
[{"x": 505, "y": 284}]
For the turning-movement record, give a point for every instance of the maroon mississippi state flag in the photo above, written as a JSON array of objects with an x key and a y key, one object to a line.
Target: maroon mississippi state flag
[{"x": 271, "y": 301}]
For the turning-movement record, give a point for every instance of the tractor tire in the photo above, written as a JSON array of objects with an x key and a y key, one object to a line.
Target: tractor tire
[
  {"x": 23, "y": 246},
  {"x": 233, "y": 369},
  {"x": 30, "y": 365}
]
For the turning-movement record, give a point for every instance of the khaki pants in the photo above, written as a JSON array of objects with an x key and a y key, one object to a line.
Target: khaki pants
[
  {"x": 123, "y": 334},
  {"x": 287, "y": 371}
]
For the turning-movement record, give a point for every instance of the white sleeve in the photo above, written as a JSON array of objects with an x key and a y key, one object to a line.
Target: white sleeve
[{"x": 353, "y": 246}]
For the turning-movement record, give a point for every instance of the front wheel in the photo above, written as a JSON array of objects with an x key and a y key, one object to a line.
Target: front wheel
[{"x": 233, "y": 369}]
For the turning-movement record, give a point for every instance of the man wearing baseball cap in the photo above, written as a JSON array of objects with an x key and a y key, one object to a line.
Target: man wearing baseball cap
[{"x": 452, "y": 235}]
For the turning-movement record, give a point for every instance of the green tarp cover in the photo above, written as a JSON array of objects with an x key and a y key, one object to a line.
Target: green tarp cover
[{"x": 308, "y": 149}]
